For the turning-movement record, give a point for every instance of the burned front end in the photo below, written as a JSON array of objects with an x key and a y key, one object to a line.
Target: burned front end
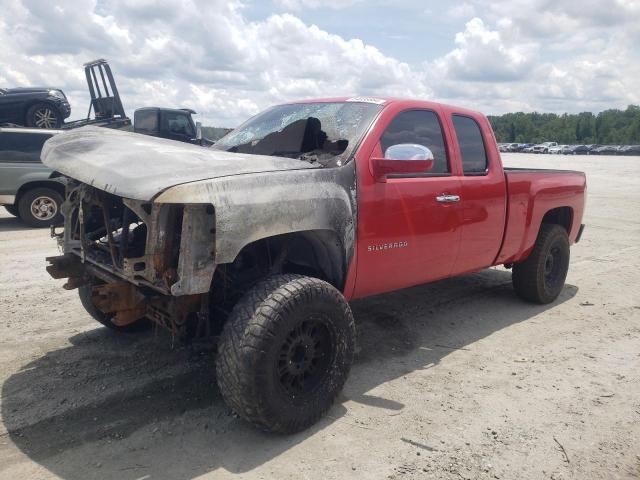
[{"x": 140, "y": 259}]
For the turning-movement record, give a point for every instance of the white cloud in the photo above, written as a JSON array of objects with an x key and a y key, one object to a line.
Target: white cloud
[
  {"x": 312, "y": 4},
  {"x": 482, "y": 55},
  {"x": 547, "y": 56}
]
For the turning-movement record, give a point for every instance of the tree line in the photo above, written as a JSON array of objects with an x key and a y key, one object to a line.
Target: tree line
[{"x": 610, "y": 127}]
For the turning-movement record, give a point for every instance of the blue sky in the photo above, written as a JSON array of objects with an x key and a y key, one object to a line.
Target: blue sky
[
  {"x": 230, "y": 59},
  {"x": 410, "y": 31}
]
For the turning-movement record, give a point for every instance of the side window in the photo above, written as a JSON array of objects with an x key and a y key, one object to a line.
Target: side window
[
  {"x": 146, "y": 120},
  {"x": 474, "y": 155},
  {"x": 423, "y": 128},
  {"x": 177, "y": 123},
  {"x": 23, "y": 147}
]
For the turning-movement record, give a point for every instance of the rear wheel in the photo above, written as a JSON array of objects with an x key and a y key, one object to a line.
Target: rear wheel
[
  {"x": 104, "y": 318},
  {"x": 40, "y": 207},
  {"x": 43, "y": 115},
  {"x": 540, "y": 278},
  {"x": 285, "y": 352}
]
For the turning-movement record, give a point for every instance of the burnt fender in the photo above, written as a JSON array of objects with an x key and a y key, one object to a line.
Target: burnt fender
[{"x": 256, "y": 206}]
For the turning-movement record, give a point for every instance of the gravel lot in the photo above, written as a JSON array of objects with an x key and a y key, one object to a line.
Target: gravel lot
[{"x": 457, "y": 379}]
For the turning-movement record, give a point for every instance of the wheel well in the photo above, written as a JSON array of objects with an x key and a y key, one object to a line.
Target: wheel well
[
  {"x": 316, "y": 253},
  {"x": 562, "y": 216},
  {"x": 57, "y": 186},
  {"x": 35, "y": 101}
]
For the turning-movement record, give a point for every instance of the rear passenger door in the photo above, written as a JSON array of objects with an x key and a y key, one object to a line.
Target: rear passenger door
[{"x": 483, "y": 194}]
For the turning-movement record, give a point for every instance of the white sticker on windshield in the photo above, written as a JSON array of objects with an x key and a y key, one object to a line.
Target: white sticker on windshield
[{"x": 377, "y": 101}]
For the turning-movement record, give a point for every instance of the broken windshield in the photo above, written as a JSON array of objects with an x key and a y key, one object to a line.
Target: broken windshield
[{"x": 325, "y": 132}]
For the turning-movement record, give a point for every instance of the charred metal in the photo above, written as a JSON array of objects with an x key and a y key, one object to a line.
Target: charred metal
[
  {"x": 140, "y": 259},
  {"x": 159, "y": 260}
]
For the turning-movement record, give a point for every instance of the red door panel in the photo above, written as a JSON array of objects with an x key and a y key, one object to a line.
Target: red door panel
[
  {"x": 483, "y": 216},
  {"x": 405, "y": 236}
]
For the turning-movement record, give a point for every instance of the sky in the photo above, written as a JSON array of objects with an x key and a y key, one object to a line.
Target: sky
[{"x": 230, "y": 59}]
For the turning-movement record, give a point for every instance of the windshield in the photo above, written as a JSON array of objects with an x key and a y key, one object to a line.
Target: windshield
[
  {"x": 326, "y": 133},
  {"x": 2, "y": 91}
]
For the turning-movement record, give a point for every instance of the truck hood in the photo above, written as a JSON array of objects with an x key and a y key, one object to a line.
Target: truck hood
[{"x": 139, "y": 167}]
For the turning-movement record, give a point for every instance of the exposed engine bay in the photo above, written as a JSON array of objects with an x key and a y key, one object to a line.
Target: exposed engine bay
[{"x": 141, "y": 259}]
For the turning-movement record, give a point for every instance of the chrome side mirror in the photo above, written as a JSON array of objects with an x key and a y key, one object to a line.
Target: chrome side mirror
[
  {"x": 408, "y": 151},
  {"x": 404, "y": 158}
]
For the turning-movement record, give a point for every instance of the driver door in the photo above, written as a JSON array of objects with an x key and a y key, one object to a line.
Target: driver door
[{"x": 408, "y": 225}]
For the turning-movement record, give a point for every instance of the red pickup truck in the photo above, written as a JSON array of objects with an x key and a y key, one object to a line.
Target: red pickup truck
[{"x": 260, "y": 241}]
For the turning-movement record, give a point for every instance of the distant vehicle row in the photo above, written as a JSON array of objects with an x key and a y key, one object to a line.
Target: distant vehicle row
[{"x": 554, "y": 148}]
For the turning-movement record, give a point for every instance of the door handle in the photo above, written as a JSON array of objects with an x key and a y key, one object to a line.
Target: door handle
[{"x": 446, "y": 198}]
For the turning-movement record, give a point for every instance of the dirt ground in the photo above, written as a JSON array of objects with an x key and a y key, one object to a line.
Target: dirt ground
[{"x": 457, "y": 379}]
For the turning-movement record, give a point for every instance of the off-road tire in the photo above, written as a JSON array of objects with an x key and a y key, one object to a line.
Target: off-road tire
[
  {"x": 12, "y": 209},
  {"x": 28, "y": 205},
  {"x": 105, "y": 319},
  {"x": 254, "y": 349},
  {"x": 43, "y": 115},
  {"x": 540, "y": 278}
]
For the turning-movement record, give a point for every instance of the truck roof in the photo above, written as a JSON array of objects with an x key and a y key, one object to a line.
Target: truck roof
[
  {"x": 177, "y": 110},
  {"x": 409, "y": 102}
]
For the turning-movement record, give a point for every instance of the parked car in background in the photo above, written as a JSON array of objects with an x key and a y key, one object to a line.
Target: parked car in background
[
  {"x": 41, "y": 107},
  {"x": 605, "y": 150},
  {"x": 28, "y": 189},
  {"x": 543, "y": 147},
  {"x": 566, "y": 149},
  {"x": 523, "y": 146},
  {"x": 629, "y": 150},
  {"x": 502, "y": 147},
  {"x": 591, "y": 147},
  {"x": 576, "y": 150},
  {"x": 556, "y": 149}
]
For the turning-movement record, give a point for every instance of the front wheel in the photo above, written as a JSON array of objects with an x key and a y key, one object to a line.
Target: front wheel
[
  {"x": 40, "y": 207},
  {"x": 540, "y": 278},
  {"x": 285, "y": 352}
]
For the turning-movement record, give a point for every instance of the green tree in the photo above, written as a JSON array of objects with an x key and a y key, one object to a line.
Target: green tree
[{"x": 608, "y": 127}]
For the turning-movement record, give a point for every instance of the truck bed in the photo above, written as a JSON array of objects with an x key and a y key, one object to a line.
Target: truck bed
[{"x": 533, "y": 193}]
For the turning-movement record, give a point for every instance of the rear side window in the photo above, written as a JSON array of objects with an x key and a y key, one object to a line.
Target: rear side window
[
  {"x": 23, "y": 147},
  {"x": 421, "y": 127},
  {"x": 474, "y": 155}
]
